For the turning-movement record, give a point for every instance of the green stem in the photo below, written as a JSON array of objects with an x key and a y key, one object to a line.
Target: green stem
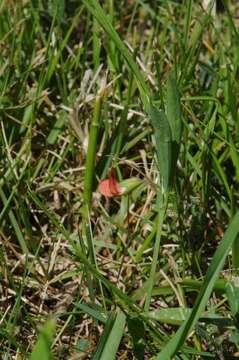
[
  {"x": 96, "y": 45},
  {"x": 91, "y": 153},
  {"x": 88, "y": 185},
  {"x": 162, "y": 205}
]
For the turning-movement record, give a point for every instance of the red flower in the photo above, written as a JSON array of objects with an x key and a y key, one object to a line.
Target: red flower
[{"x": 110, "y": 187}]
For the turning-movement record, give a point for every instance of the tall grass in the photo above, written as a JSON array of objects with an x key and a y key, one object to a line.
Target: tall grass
[{"x": 149, "y": 88}]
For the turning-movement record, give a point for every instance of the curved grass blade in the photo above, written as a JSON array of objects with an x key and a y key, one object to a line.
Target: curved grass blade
[{"x": 211, "y": 276}]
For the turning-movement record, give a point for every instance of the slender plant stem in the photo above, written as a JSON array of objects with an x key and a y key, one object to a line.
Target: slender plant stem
[
  {"x": 90, "y": 173},
  {"x": 88, "y": 186},
  {"x": 91, "y": 152},
  {"x": 162, "y": 207}
]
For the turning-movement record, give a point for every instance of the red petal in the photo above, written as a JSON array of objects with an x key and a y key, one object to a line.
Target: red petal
[
  {"x": 104, "y": 188},
  {"x": 114, "y": 185},
  {"x": 110, "y": 187}
]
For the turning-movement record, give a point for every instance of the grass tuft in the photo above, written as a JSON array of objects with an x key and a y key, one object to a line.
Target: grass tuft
[{"x": 149, "y": 89}]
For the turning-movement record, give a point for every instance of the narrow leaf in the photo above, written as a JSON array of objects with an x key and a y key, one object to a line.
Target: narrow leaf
[
  {"x": 173, "y": 109},
  {"x": 112, "y": 338},
  {"x": 163, "y": 140},
  {"x": 174, "y": 118}
]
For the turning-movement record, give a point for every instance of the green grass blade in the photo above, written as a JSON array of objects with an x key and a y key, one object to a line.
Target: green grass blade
[
  {"x": 162, "y": 207},
  {"x": 97, "y": 11},
  {"x": 42, "y": 349},
  {"x": 188, "y": 21},
  {"x": 103, "y": 339},
  {"x": 174, "y": 118},
  {"x": 173, "y": 109},
  {"x": 211, "y": 276},
  {"x": 163, "y": 140},
  {"x": 15, "y": 224},
  {"x": 221, "y": 175},
  {"x": 174, "y": 316},
  {"x": 91, "y": 152},
  {"x": 112, "y": 338}
]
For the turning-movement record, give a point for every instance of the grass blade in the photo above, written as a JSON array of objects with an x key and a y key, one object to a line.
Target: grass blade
[
  {"x": 163, "y": 140},
  {"x": 42, "y": 349},
  {"x": 112, "y": 338},
  {"x": 211, "y": 276},
  {"x": 97, "y": 11},
  {"x": 173, "y": 109}
]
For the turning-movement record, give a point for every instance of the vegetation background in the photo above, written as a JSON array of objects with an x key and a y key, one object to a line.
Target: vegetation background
[{"x": 149, "y": 89}]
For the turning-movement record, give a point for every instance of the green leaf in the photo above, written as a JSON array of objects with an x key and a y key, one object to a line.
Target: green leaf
[
  {"x": 173, "y": 109},
  {"x": 174, "y": 316},
  {"x": 42, "y": 348},
  {"x": 111, "y": 337},
  {"x": 163, "y": 140},
  {"x": 94, "y": 313},
  {"x": 60, "y": 122},
  {"x": 174, "y": 118}
]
